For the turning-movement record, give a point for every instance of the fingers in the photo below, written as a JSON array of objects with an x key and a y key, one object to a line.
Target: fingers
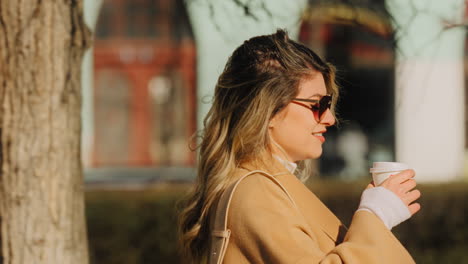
[
  {"x": 403, "y": 176},
  {"x": 400, "y": 183},
  {"x": 414, "y": 208},
  {"x": 407, "y": 186},
  {"x": 410, "y": 197},
  {"x": 403, "y": 184}
]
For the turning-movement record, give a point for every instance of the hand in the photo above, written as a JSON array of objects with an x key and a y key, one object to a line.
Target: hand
[{"x": 403, "y": 184}]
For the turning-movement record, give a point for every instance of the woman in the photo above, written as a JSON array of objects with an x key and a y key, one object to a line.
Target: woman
[{"x": 271, "y": 109}]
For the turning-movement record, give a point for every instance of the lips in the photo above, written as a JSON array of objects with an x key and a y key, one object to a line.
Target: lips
[{"x": 319, "y": 135}]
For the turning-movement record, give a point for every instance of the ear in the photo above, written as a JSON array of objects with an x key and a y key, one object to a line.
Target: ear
[
  {"x": 273, "y": 122},
  {"x": 276, "y": 119}
]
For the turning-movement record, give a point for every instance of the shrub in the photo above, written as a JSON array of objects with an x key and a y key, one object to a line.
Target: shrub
[{"x": 131, "y": 227}]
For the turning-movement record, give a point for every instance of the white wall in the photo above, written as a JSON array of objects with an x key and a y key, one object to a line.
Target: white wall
[{"x": 429, "y": 100}]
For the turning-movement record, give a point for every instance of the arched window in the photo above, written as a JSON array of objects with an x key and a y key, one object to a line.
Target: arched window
[
  {"x": 169, "y": 118},
  {"x": 111, "y": 104}
]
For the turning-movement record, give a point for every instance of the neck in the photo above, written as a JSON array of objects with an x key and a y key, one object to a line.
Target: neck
[
  {"x": 290, "y": 166},
  {"x": 279, "y": 152}
]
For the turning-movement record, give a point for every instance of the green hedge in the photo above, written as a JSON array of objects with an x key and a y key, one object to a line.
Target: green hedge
[{"x": 140, "y": 226}]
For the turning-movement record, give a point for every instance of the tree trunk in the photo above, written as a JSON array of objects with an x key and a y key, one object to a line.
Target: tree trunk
[{"x": 41, "y": 183}]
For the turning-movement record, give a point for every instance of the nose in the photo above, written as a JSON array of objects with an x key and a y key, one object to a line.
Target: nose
[{"x": 328, "y": 118}]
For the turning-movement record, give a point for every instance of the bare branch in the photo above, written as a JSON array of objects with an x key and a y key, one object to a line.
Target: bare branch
[{"x": 450, "y": 24}]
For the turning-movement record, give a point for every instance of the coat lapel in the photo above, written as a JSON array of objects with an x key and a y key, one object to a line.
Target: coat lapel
[{"x": 313, "y": 210}]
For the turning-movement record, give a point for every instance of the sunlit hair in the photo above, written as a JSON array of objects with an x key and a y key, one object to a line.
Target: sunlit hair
[{"x": 261, "y": 77}]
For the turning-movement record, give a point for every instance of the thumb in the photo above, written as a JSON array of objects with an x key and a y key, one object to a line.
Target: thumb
[{"x": 371, "y": 185}]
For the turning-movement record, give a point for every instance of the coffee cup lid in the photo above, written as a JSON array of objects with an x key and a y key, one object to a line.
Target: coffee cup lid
[{"x": 388, "y": 166}]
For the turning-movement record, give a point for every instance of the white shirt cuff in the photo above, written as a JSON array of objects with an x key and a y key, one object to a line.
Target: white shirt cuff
[{"x": 386, "y": 205}]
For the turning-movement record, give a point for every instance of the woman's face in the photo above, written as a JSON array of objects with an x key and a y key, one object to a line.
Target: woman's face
[{"x": 295, "y": 129}]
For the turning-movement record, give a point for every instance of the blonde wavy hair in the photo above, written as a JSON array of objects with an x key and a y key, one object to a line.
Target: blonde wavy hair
[{"x": 260, "y": 78}]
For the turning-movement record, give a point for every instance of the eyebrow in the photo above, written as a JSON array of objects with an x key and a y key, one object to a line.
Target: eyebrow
[{"x": 319, "y": 95}]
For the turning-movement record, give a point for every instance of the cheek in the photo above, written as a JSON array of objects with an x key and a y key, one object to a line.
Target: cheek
[
  {"x": 305, "y": 144},
  {"x": 295, "y": 137},
  {"x": 298, "y": 129},
  {"x": 303, "y": 122}
]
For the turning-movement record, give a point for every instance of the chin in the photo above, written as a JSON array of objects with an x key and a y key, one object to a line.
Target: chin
[
  {"x": 312, "y": 155},
  {"x": 316, "y": 154}
]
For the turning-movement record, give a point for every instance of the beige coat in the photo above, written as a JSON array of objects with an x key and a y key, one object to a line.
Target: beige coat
[{"x": 266, "y": 227}]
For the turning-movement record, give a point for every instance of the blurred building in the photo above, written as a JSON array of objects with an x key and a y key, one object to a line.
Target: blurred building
[
  {"x": 144, "y": 98},
  {"x": 145, "y": 70},
  {"x": 358, "y": 40}
]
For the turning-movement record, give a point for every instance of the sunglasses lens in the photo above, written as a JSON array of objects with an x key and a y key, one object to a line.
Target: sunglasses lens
[
  {"x": 318, "y": 108},
  {"x": 324, "y": 104}
]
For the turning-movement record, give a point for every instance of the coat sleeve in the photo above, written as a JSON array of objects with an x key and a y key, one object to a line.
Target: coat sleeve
[{"x": 266, "y": 228}]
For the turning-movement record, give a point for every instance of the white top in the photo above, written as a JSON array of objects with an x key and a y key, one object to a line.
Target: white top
[{"x": 290, "y": 166}]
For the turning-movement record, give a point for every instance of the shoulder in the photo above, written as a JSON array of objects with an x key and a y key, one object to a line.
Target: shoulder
[
  {"x": 257, "y": 184},
  {"x": 259, "y": 193}
]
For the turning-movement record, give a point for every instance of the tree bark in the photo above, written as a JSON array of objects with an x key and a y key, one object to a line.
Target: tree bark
[{"x": 41, "y": 183}]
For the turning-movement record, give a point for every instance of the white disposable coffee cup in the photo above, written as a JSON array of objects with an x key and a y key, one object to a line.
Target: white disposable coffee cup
[{"x": 382, "y": 170}]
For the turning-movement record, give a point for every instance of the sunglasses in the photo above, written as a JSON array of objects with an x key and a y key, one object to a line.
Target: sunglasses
[{"x": 318, "y": 107}]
